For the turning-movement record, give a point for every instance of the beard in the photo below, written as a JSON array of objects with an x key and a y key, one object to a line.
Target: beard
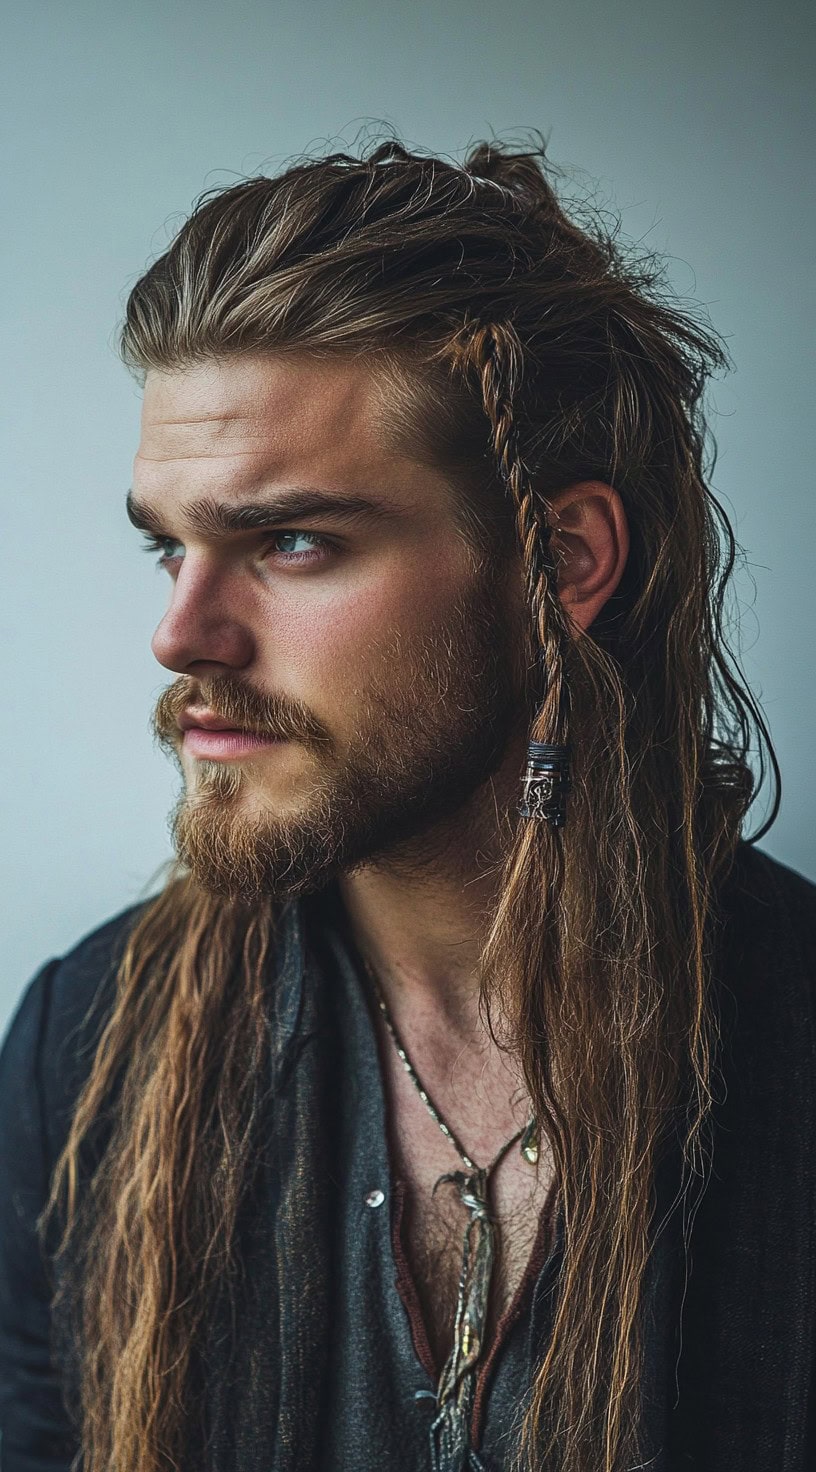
[{"x": 435, "y": 721}]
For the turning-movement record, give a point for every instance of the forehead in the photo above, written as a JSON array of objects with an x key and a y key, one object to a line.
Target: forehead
[{"x": 234, "y": 424}]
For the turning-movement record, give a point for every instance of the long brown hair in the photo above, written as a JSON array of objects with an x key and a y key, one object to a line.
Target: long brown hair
[{"x": 523, "y": 349}]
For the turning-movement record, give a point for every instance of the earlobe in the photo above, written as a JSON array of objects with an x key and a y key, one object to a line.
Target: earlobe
[{"x": 590, "y": 546}]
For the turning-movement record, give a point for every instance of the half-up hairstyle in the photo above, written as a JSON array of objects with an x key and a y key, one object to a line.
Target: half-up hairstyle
[{"x": 520, "y": 349}]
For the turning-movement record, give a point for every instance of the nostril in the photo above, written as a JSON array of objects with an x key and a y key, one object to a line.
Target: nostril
[{"x": 189, "y": 646}]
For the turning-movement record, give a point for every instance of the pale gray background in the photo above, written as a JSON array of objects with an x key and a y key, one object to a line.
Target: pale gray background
[{"x": 693, "y": 119}]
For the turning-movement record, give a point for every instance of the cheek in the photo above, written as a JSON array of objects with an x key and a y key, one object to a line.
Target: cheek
[{"x": 322, "y": 648}]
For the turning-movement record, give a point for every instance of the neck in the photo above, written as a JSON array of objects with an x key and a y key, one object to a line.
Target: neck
[{"x": 420, "y": 915}]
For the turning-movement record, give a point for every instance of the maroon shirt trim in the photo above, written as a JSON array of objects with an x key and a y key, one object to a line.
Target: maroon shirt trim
[{"x": 407, "y": 1289}]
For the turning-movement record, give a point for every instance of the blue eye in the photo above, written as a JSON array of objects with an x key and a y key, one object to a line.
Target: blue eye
[
  {"x": 160, "y": 544},
  {"x": 320, "y": 545},
  {"x": 289, "y": 554}
]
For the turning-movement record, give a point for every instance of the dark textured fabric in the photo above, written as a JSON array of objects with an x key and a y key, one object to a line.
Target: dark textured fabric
[{"x": 730, "y": 1343}]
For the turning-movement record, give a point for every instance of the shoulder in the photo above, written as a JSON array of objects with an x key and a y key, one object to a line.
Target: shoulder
[
  {"x": 766, "y": 902},
  {"x": 45, "y": 1055},
  {"x": 82, "y": 981},
  {"x": 765, "y": 977},
  {"x": 754, "y": 869},
  {"x": 48, "y": 1046}
]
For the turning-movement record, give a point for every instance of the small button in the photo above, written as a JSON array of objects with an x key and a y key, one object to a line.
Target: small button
[{"x": 375, "y": 1198}]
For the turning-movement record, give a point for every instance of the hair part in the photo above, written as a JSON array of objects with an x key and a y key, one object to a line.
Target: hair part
[{"x": 521, "y": 350}]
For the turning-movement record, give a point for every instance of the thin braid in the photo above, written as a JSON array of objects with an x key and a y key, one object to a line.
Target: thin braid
[{"x": 495, "y": 351}]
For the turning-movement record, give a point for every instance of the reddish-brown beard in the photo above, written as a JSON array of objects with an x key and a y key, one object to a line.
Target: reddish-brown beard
[{"x": 435, "y": 722}]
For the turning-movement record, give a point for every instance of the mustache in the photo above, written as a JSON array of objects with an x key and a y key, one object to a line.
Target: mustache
[{"x": 241, "y": 706}]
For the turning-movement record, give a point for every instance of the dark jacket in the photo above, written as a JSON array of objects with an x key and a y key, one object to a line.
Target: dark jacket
[{"x": 730, "y": 1379}]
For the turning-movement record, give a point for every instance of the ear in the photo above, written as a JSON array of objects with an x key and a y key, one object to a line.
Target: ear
[{"x": 590, "y": 545}]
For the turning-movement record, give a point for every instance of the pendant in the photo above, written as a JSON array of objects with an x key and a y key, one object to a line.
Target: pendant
[
  {"x": 449, "y": 1433},
  {"x": 529, "y": 1143}
]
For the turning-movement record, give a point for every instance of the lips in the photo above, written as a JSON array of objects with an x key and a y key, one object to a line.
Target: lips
[
  {"x": 209, "y": 737},
  {"x": 206, "y": 721}
]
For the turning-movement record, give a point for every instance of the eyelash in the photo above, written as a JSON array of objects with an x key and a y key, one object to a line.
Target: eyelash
[{"x": 160, "y": 544}]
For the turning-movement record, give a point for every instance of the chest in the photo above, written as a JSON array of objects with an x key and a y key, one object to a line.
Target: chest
[
  {"x": 433, "y": 1217},
  {"x": 432, "y": 1231}
]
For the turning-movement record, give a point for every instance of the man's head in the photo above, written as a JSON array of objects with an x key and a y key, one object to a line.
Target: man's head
[
  {"x": 369, "y": 631},
  {"x": 523, "y": 405}
]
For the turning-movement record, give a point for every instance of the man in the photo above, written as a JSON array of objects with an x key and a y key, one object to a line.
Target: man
[{"x": 452, "y": 1104}]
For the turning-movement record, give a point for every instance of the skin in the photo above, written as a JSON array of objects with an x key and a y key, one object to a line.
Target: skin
[{"x": 314, "y": 634}]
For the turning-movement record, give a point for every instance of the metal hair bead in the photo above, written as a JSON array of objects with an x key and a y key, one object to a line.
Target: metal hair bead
[{"x": 546, "y": 783}]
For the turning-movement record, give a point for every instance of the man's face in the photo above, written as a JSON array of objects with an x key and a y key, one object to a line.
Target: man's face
[{"x": 379, "y": 665}]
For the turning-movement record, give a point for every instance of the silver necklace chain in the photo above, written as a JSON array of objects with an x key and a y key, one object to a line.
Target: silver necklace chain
[{"x": 527, "y": 1134}]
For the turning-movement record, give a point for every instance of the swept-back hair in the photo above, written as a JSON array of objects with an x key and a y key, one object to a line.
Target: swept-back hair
[{"x": 522, "y": 349}]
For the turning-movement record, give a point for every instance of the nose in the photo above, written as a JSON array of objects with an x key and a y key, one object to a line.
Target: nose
[{"x": 200, "y": 629}]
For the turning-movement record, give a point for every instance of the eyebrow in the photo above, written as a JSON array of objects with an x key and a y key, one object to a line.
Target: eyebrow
[{"x": 210, "y": 518}]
